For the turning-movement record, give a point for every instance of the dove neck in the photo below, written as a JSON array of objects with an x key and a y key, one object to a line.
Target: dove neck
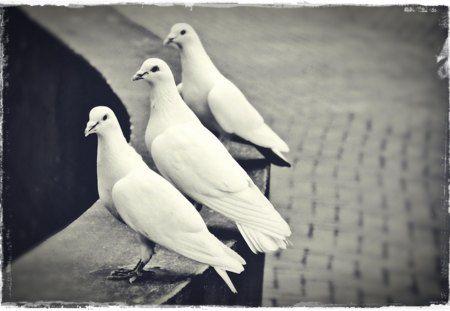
[
  {"x": 194, "y": 57},
  {"x": 113, "y": 141},
  {"x": 164, "y": 92},
  {"x": 115, "y": 158},
  {"x": 167, "y": 108}
]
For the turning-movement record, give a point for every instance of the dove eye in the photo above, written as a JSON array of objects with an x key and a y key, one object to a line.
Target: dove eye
[
  {"x": 183, "y": 32},
  {"x": 154, "y": 69},
  {"x": 105, "y": 117}
]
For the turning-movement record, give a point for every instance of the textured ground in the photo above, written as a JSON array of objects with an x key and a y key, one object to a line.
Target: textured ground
[{"x": 355, "y": 94}]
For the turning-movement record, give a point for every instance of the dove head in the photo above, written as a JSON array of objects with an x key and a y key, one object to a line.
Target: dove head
[
  {"x": 102, "y": 121},
  {"x": 181, "y": 35},
  {"x": 154, "y": 71}
]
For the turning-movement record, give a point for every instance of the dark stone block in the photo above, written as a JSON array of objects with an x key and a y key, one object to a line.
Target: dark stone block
[{"x": 49, "y": 166}]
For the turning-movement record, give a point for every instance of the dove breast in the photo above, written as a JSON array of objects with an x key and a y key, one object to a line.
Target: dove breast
[{"x": 111, "y": 166}]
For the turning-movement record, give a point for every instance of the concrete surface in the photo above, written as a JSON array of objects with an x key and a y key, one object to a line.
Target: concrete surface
[{"x": 356, "y": 95}]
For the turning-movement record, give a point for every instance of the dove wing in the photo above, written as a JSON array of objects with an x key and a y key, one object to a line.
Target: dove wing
[
  {"x": 237, "y": 116},
  {"x": 231, "y": 109},
  {"x": 151, "y": 206},
  {"x": 196, "y": 161}
]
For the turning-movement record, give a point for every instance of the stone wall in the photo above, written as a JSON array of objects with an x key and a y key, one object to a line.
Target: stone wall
[{"x": 49, "y": 166}]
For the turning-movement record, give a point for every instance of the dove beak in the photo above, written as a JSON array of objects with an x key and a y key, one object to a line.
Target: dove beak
[
  {"x": 138, "y": 76},
  {"x": 169, "y": 40},
  {"x": 89, "y": 127}
]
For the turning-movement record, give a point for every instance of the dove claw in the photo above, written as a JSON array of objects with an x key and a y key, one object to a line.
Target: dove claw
[
  {"x": 123, "y": 273},
  {"x": 131, "y": 280},
  {"x": 132, "y": 275}
]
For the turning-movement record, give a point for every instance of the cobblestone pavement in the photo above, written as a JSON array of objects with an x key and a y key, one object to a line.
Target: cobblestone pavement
[{"x": 356, "y": 95}]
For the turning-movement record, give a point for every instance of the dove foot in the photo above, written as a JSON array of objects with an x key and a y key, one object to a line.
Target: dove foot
[{"x": 132, "y": 275}]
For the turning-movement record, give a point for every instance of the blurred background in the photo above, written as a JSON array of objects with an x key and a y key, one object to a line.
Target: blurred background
[{"x": 355, "y": 93}]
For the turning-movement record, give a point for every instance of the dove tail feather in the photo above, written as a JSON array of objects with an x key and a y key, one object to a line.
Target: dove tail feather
[
  {"x": 274, "y": 156},
  {"x": 241, "y": 210},
  {"x": 224, "y": 275},
  {"x": 264, "y": 136},
  {"x": 235, "y": 255},
  {"x": 261, "y": 242},
  {"x": 249, "y": 242}
]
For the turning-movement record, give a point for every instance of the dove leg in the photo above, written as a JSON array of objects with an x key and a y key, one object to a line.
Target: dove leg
[{"x": 138, "y": 272}]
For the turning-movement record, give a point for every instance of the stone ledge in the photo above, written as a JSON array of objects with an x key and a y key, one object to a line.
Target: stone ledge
[{"x": 70, "y": 267}]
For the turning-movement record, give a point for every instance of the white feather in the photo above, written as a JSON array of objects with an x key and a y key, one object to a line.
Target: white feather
[{"x": 223, "y": 274}]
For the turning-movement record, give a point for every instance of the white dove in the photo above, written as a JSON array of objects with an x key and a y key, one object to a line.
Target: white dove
[
  {"x": 193, "y": 159},
  {"x": 152, "y": 206},
  {"x": 215, "y": 99}
]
